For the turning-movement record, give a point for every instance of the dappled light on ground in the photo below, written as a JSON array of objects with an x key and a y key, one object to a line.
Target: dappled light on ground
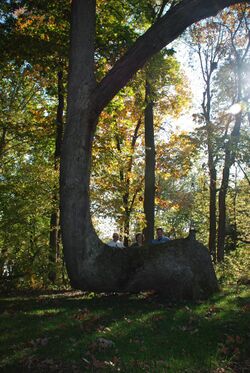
[{"x": 121, "y": 332}]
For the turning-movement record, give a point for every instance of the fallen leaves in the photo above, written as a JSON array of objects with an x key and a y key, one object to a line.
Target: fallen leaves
[
  {"x": 192, "y": 323},
  {"x": 34, "y": 364},
  {"x": 231, "y": 346},
  {"x": 104, "y": 343},
  {"x": 39, "y": 342},
  {"x": 92, "y": 362},
  {"x": 246, "y": 308},
  {"x": 82, "y": 314},
  {"x": 89, "y": 321},
  {"x": 213, "y": 310}
]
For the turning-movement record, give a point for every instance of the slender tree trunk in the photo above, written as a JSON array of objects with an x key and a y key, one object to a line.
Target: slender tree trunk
[
  {"x": 149, "y": 191},
  {"x": 128, "y": 205},
  {"x": 126, "y": 226},
  {"x": 222, "y": 214},
  {"x": 212, "y": 213},
  {"x": 230, "y": 155},
  {"x": 235, "y": 195},
  {"x": 2, "y": 141},
  {"x": 125, "y": 180},
  {"x": 208, "y": 60},
  {"x": 230, "y": 152},
  {"x": 212, "y": 189},
  {"x": 55, "y": 215},
  {"x": 206, "y": 107}
]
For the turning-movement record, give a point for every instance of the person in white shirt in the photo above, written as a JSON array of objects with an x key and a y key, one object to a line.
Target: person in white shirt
[{"x": 115, "y": 242}]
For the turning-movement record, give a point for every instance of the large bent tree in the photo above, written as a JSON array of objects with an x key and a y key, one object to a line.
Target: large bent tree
[{"x": 181, "y": 268}]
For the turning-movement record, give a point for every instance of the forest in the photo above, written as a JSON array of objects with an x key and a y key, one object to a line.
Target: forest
[
  {"x": 145, "y": 171},
  {"x": 124, "y": 116}
]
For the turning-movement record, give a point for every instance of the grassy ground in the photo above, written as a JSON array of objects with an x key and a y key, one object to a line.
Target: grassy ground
[{"x": 76, "y": 332}]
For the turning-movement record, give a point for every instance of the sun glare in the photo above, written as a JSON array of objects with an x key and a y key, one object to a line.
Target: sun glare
[{"x": 235, "y": 109}]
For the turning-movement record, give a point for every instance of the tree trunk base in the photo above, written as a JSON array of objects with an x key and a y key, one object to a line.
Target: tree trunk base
[{"x": 178, "y": 270}]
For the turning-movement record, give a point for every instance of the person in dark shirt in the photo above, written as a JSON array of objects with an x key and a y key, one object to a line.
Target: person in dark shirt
[{"x": 139, "y": 240}]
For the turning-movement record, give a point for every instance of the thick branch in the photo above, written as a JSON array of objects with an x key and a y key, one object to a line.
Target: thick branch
[{"x": 163, "y": 32}]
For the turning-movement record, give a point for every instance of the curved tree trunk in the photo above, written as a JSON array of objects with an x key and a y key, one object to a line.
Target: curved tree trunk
[
  {"x": 91, "y": 265},
  {"x": 79, "y": 238}
]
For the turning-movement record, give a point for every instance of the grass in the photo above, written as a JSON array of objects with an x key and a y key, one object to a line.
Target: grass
[{"x": 60, "y": 332}]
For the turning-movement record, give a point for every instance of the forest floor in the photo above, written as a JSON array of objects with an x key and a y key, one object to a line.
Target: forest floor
[{"x": 73, "y": 331}]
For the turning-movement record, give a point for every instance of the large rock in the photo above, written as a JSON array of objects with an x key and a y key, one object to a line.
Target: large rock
[{"x": 179, "y": 269}]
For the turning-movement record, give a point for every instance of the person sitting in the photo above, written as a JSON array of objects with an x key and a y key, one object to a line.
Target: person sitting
[
  {"x": 139, "y": 240},
  {"x": 160, "y": 238},
  {"x": 115, "y": 242}
]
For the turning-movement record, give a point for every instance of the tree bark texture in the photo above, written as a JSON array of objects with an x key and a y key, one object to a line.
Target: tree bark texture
[{"x": 90, "y": 264}]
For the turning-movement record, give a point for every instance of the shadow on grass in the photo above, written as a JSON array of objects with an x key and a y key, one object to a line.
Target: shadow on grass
[{"x": 148, "y": 334}]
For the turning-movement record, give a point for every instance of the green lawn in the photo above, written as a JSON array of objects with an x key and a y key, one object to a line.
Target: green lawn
[{"x": 60, "y": 332}]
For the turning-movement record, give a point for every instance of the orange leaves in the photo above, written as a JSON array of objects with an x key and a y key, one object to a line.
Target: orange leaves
[
  {"x": 30, "y": 22},
  {"x": 162, "y": 203},
  {"x": 38, "y": 25}
]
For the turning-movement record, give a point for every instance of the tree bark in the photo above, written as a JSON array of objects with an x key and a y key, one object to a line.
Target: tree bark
[
  {"x": 90, "y": 264},
  {"x": 149, "y": 191}
]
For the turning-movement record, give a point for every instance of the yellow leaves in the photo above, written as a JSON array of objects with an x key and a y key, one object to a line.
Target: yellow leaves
[
  {"x": 37, "y": 25},
  {"x": 22, "y": 25},
  {"x": 32, "y": 20}
]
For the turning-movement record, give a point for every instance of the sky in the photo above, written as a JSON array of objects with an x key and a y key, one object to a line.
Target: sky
[{"x": 185, "y": 122}]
